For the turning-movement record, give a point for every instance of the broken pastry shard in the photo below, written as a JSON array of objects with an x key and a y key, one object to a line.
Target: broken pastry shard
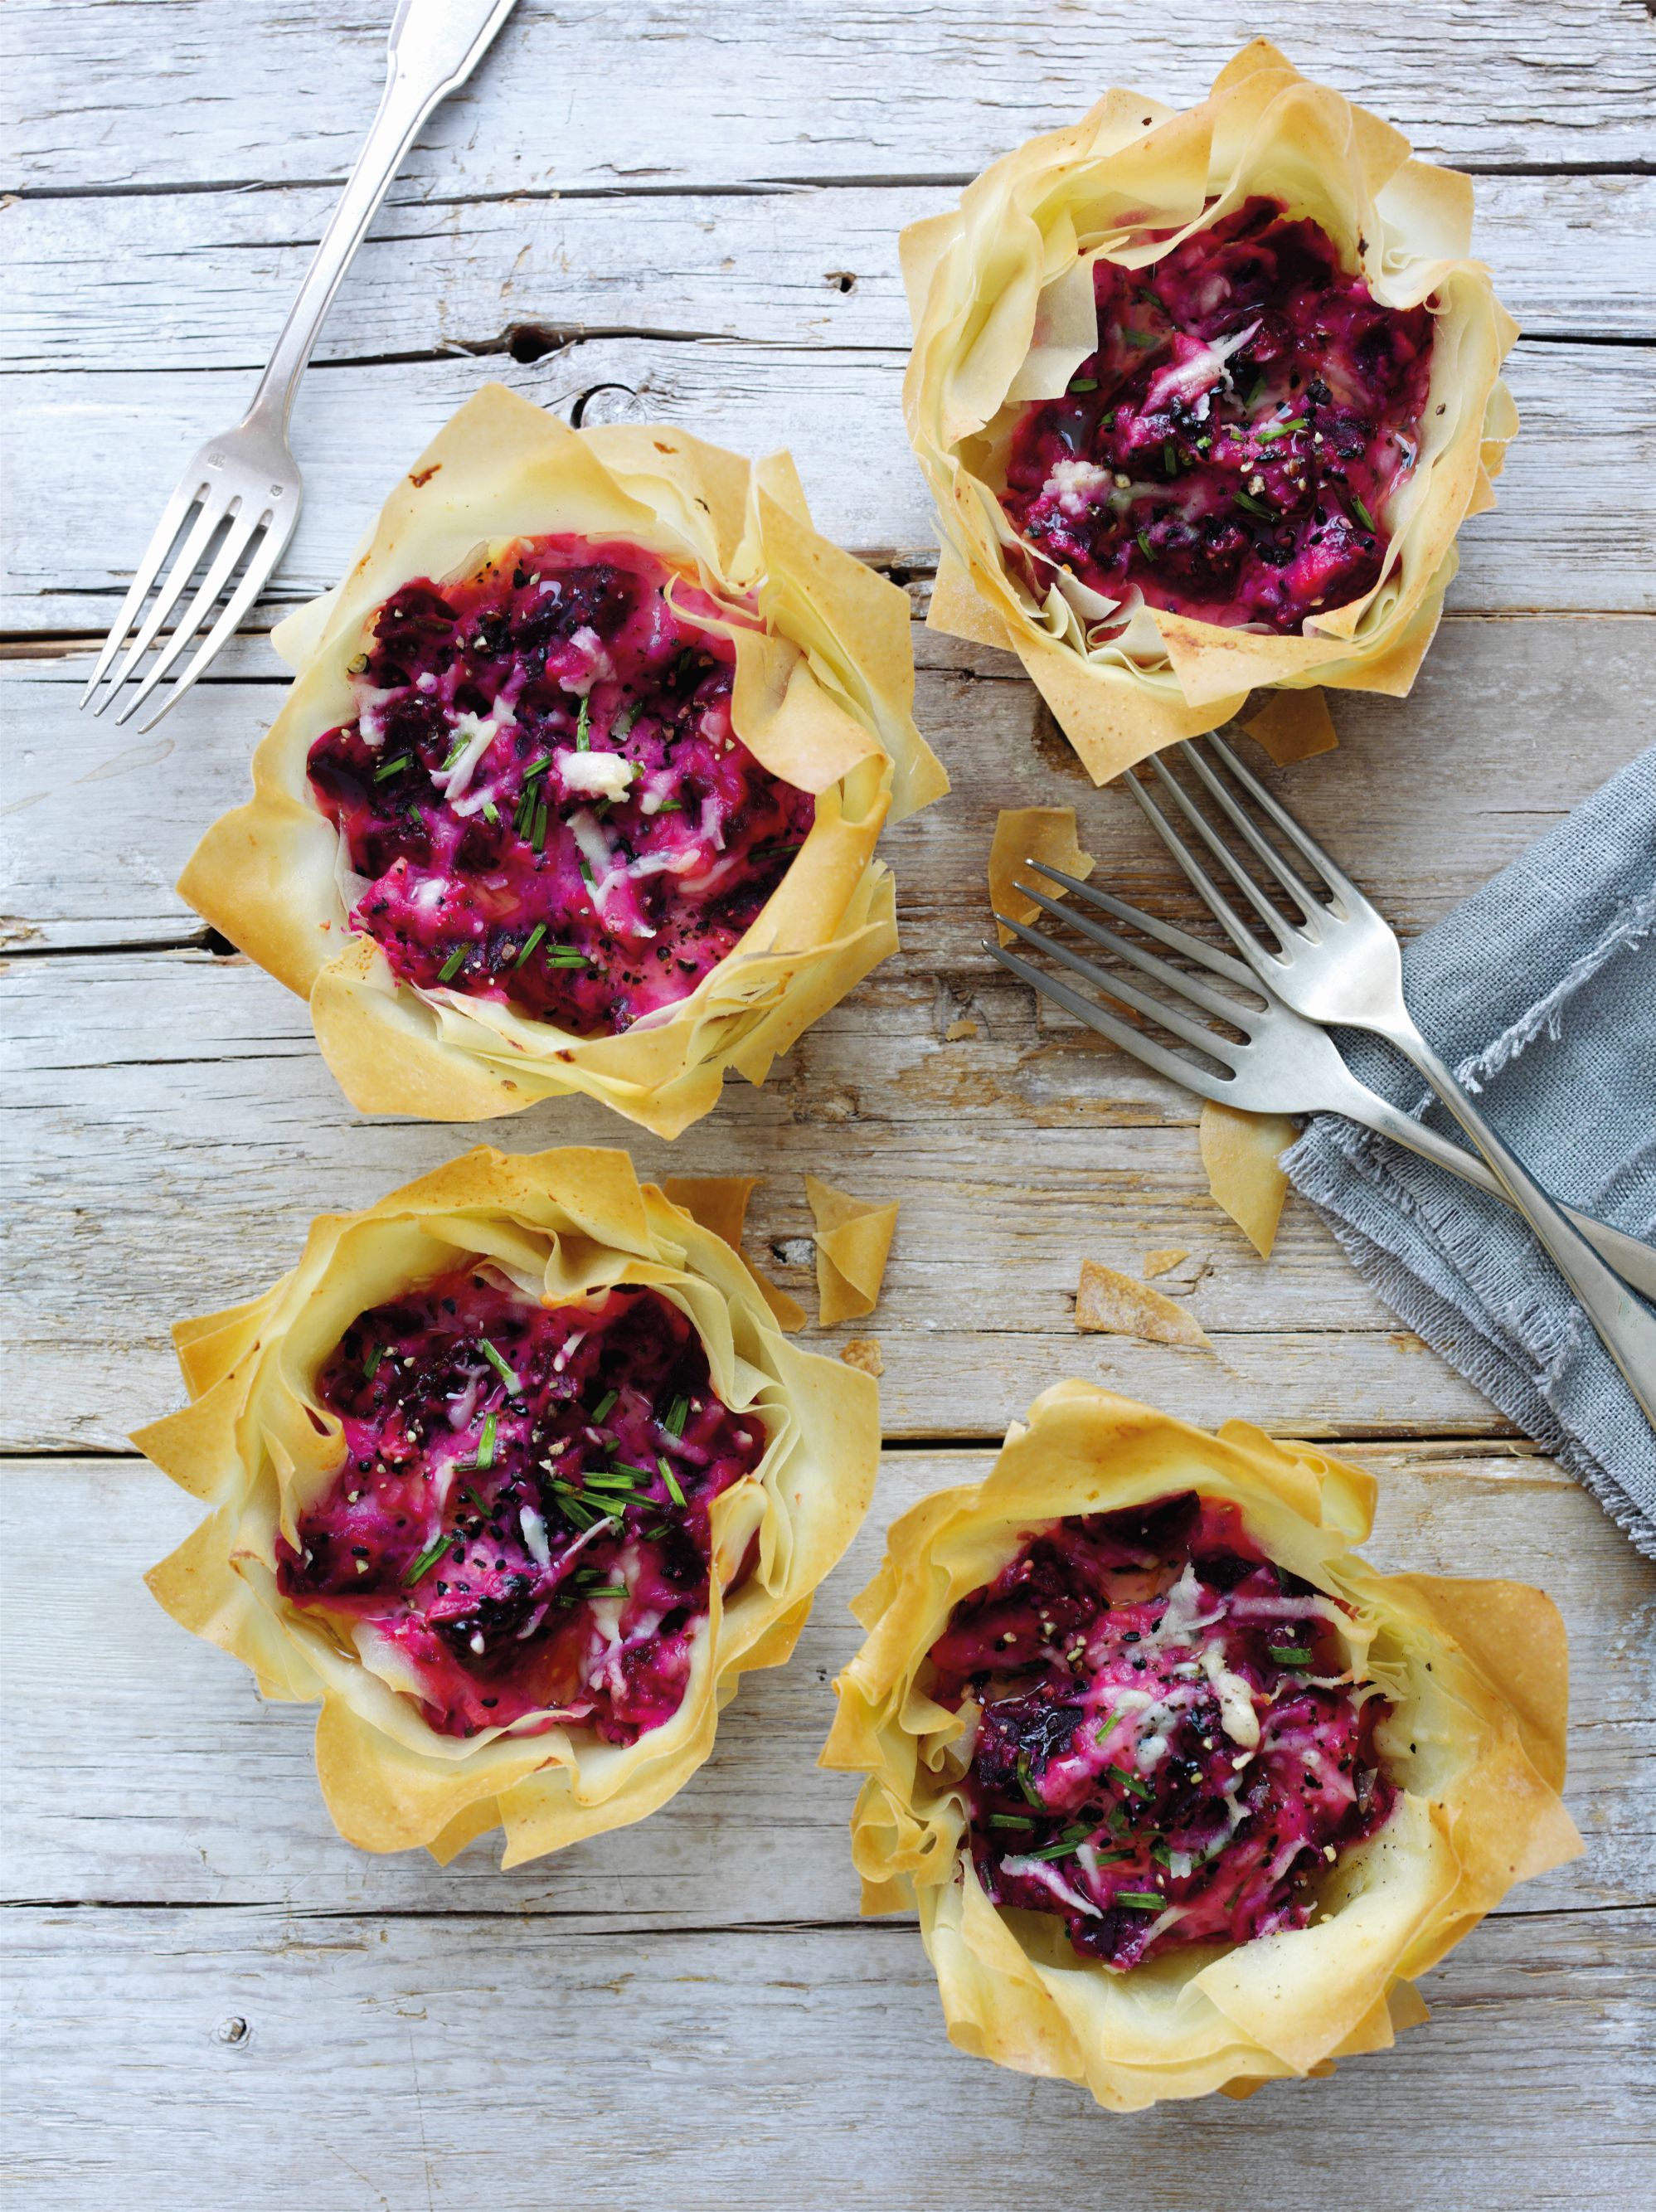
[
  {"x": 864, "y": 1351},
  {"x": 720, "y": 1203},
  {"x": 1164, "y": 1260},
  {"x": 1242, "y": 1154},
  {"x": 853, "y": 1239},
  {"x": 1114, "y": 1304},
  {"x": 1023, "y": 834},
  {"x": 1293, "y": 725}
]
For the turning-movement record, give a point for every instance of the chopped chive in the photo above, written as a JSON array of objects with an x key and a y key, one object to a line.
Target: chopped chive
[
  {"x": 1025, "y": 1785},
  {"x": 677, "y": 1413},
  {"x": 1169, "y": 459},
  {"x": 565, "y": 956},
  {"x": 1129, "y": 1783},
  {"x": 1361, "y": 512},
  {"x": 1144, "y": 545},
  {"x": 1293, "y": 1654},
  {"x": 583, "y": 728},
  {"x": 539, "y": 839},
  {"x": 604, "y": 1404},
  {"x": 604, "y": 1479},
  {"x": 585, "y": 872},
  {"x": 1256, "y": 395},
  {"x": 474, "y": 1498},
  {"x": 625, "y": 1467},
  {"x": 1142, "y": 1900},
  {"x": 451, "y": 967},
  {"x": 374, "y": 1358},
  {"x": 485, "y": 1458},
  {"x": 1083, "y": 384},
  {"x": 391, "y": 767},
  {"x": 623, "y": 722},
  {"x": 775, "y": 851},
  {"x": 1161, "y": 1852},
  {"x": 455, "y": 752},
  {"x": 1273, "y": 430},
  {"x": 1062, "y": 1847},
  {"x": 1010, "y": 1820},
  {"x": 670, "y": 806},
  {"x": 426, "y": 1560},
  {"x": 1141, "y": 341},
  {"x": 608, "y": 1590},
  {"x": 535, "y": 767},
  {"x": 530, "y": 943},
  {"x": 1250, "y": 505},
  {"x": 508, "y": 1375},
  {"x": 491, "y": 813},
  {"x": 671, "y": 1481},
  {"x": 1107, "y": 422}
]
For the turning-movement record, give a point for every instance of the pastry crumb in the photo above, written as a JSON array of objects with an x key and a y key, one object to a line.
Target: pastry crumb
[{"x": 863, "y": 1353}]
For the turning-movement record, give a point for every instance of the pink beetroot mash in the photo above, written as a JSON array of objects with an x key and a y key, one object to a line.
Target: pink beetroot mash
[
  {"x": 1231, "y": 447},
  {"x": 1170, "y": 1750},
  {"x": 522, "y": 1513},
  {"x": 542, "y": 792}
]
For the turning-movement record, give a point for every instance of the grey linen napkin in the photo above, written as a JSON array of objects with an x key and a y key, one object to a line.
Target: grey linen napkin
[{"x": 1541, "y": 991}]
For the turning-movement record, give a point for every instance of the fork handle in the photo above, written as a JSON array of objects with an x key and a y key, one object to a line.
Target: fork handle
[
  {"x": 1635, "y": 1262},
  {"x": 1627, "y": 1328},
  {"x": 434, "y": 46}
]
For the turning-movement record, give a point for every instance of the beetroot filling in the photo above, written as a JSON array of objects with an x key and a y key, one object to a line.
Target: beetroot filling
[
  {"x": 1232, "y": 446},
  {"x": 543, "y": 792},
  {"x": 1167, "y": 1753},
  {"x": 523, "y": 1509}
]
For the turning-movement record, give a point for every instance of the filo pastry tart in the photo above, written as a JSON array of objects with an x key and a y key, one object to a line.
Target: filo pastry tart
[
  {"x": 580, "y": 780},
  {"x": 1202, "y": 399},
  {"x": 516, "y": 1476},
  {"x": 1184, "y": 1792}
]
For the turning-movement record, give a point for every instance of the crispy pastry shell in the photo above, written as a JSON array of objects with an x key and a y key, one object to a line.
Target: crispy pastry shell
[
  {"x": 1477, "y": 1674},
  {"x": 824, "y": 699},
  {"x": 1000, "y": 291},
  {"x": 257, "y": 1446}
]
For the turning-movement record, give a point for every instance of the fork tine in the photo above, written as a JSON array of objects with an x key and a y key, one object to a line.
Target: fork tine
[
  {"x": 172, "y": 519},
  {"x": 1164, "y": 933},
  {"x": 1274, "y": 922},
  {"x": 1173, "y": 979},
  {"x": 1241, "y": 936},
  {"x": 1128, "y": 993},
  {"x": 237, "y": 539},
  {"x": 268, "y": 553},
  {"x": 169, "y": 593},
  {"x": 1173, "y": 1065},
  {"x": 1301, "y": 839},
  {"x": 1259, "y": 844}
]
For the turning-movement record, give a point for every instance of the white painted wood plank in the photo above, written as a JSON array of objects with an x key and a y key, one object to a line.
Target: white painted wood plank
[
  {"x": 218, "y": 1798},
  {"x": 97, "y": 822},
  {"x": 189, "y": 2059},
  {"x": 202, "y": 280},
  {"x": 181, "y": 1132},
  {"x": 158, "y": 92},
  {"x": 91, "y": 459}
]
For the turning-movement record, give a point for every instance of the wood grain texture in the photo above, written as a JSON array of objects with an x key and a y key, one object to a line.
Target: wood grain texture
[
  {"x": 201, "y": 280},
  {"x": 177, "y": 1128},
  {"x": 412, "y": 2063},
  {"x": 597, "y": 96},
  {"x": 1563, "y": 536},
  {"x": 98, "y": 821},
  {"x": 217, "y": 1803}
]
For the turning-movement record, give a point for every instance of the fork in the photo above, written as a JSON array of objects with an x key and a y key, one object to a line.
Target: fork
[
  {"x": 1281, "y": 1064},
  {"x": 245, "y": 484},
  {"x": 1339, "y": 961}
]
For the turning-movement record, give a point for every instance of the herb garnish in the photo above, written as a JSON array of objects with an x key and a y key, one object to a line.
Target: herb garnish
[
  {"x": 671, "y": 1481},
  {"x": 451, "y": 967},
  {"x": 508, "y": 1375},
  {"x": 426, "y": 1560},
  {"x": 530, "y": 943}
]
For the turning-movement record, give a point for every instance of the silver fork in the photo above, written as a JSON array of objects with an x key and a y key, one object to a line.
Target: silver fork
[
  {"x": 1281, "y": 1063},
  {"x": 245, "y": 483},
  {"x": 1338, "y": 961}
]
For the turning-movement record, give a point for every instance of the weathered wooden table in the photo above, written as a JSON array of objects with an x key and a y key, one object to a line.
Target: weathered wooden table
[{"x": 214, "y": 2001}]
